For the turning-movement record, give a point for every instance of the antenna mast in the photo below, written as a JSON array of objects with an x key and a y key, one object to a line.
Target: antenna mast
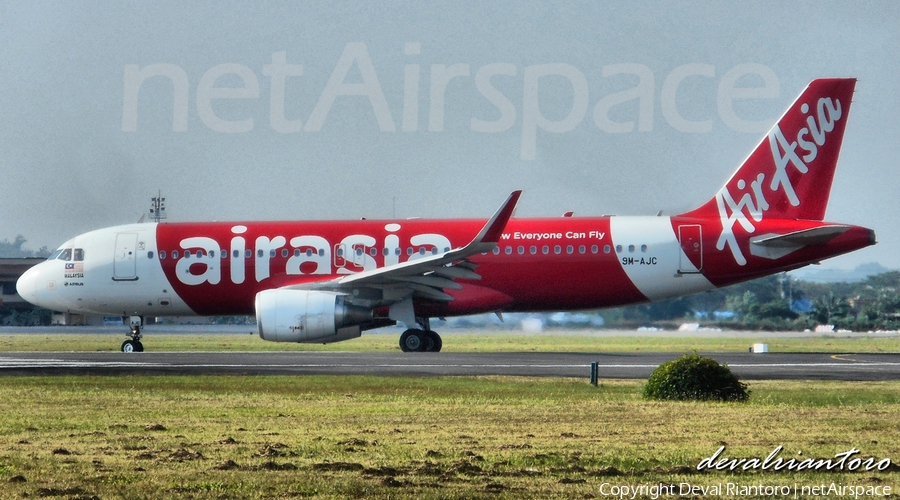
[{"x": 158, "y": 207}]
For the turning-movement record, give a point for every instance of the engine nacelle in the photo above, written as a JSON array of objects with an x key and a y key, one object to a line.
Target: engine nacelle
[{"x": 284, "y": 315}]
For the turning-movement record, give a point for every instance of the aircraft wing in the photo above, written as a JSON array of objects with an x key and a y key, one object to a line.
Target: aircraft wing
[{"x": 426, "y": 277}]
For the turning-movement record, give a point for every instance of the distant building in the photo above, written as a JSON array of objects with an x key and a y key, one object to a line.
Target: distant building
[
  {"x": 10, "y": 270},
  {"x": 11, "y": 303}
]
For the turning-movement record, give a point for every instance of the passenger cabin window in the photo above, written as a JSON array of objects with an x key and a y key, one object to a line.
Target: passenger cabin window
[
  {"x": 150, "y": 254},
  {"x": 162, "y": 254}
]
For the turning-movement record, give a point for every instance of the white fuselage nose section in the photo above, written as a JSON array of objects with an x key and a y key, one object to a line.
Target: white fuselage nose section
[
  {"x": 113, "y": 271},
  {"x": 26, "y": 287}
]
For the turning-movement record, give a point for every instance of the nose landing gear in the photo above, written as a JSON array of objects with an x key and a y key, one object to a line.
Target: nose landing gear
[{"x": 134, "y": 345}]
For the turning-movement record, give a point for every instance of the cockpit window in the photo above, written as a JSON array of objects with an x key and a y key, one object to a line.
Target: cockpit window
[{"x": 67, "y": 254}]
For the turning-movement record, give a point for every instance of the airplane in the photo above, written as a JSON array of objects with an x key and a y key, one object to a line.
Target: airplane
[{"x": 328, "y": 281}]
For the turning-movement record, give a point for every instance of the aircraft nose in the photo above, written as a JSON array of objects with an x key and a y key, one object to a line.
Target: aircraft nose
[{"x": 26, "y": 286}]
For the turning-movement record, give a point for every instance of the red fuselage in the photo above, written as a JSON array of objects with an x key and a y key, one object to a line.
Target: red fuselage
[{"x": 546, "y": 264}]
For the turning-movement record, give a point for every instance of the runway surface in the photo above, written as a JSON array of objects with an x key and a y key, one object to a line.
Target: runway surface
[{"x": 814, "y": 366}]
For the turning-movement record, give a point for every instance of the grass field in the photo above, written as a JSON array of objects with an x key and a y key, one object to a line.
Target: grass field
[
  {"x": 221, "y": 437},
  {"x": 461, "y": 342},
  {"x": 235, "y": 437}
]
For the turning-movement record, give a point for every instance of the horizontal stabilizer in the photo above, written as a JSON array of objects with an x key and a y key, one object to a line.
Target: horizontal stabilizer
[{"x": 775, "y": 246}]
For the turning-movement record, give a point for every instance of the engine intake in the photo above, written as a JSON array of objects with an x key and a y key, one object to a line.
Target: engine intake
[{"x": 284, "y": 315}]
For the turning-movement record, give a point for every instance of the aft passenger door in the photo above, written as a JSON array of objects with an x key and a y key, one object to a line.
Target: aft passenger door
[{"x": 690, "y": 260}]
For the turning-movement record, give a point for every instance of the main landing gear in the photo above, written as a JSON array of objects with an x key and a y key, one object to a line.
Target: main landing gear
[
  {"x": 421, "y": 340},
  {"x": 134, "y": 345}
]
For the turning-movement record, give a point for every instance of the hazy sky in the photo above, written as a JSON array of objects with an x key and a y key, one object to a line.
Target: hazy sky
[{"x": 321, "y": 110}]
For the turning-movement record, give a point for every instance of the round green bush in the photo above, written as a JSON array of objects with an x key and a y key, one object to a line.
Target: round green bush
[{"x": 693, "y": 377}]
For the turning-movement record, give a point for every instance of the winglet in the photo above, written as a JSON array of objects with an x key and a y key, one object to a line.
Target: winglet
[{"x": 491, "y": 231}]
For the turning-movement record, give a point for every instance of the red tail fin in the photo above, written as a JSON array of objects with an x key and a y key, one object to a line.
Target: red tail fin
[{"x": 788, "y": 175}]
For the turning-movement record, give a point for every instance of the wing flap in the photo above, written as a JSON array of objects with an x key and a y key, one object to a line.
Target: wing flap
[
  {"x": 429, "y": 292},
  {"x": 457, "y": 272},
  {"x": 430, "y": 280}
]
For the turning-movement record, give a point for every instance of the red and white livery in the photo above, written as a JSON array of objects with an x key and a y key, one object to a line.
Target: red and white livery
[{"x": 326, "y": 281}]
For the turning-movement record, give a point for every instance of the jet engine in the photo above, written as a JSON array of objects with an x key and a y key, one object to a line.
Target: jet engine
[{"x": 284, "y": 315}]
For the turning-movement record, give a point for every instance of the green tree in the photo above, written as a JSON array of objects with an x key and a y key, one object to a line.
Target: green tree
[
  {"x": 832, "y": 310},
  {"x": 16, "y": 249}
]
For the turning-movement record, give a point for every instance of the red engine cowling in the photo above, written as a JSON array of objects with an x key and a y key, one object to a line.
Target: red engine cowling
[{"x": 284, "y": 315}]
